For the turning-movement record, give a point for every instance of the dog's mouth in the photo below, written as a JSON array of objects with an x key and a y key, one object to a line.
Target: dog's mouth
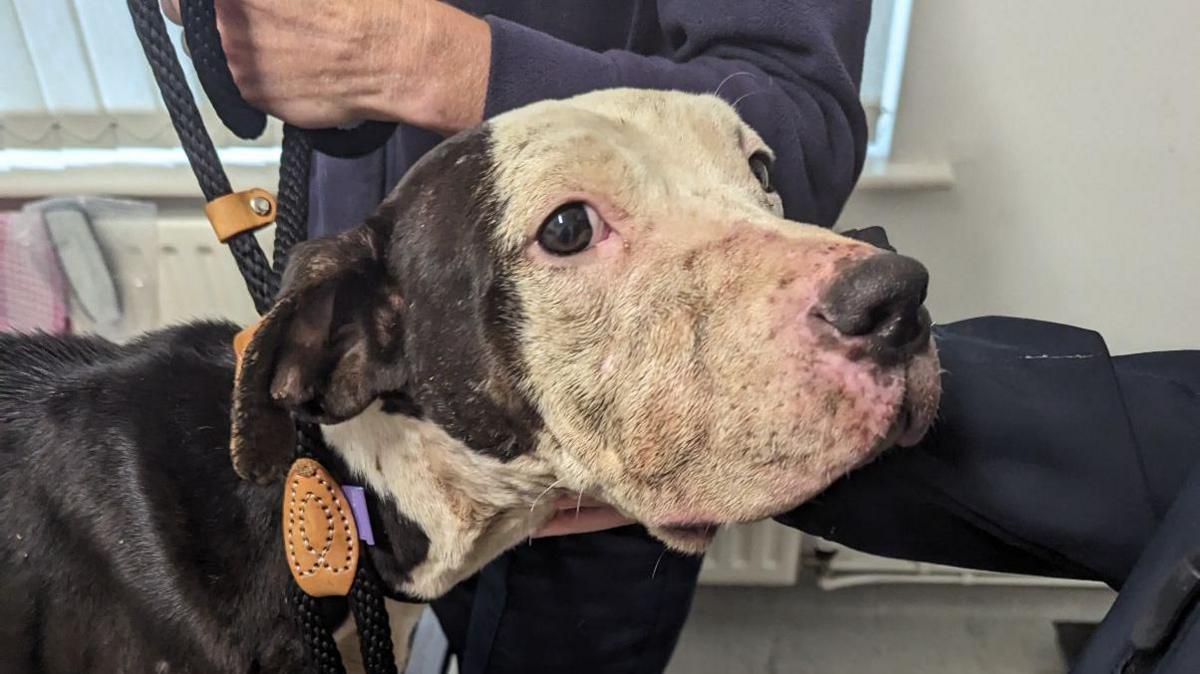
[
  {"x": 707, "y": 530},
  {"x": 918, "y": 407},
  {"x": 905, "y": 430}
]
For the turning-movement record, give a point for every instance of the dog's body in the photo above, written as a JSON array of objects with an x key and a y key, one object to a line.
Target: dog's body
[
  {"x": 129, "y": 543},
  {"x": 663, "y": 341}
]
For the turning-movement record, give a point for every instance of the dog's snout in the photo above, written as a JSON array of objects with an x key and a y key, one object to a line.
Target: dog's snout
[{"x": 879, "y": 299}]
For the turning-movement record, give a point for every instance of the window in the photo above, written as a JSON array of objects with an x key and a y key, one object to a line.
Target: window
[
  {"x": 76, "y": 94},
  {"x": 883, "y": 68}
]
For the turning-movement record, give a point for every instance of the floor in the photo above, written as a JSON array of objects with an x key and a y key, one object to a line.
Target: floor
[{"x": 894, "y": 629}]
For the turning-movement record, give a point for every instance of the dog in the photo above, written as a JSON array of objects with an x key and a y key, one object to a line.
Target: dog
[{"x": 596, "y": 295}]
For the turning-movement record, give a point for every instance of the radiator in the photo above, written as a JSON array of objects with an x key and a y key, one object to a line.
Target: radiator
[
  {"x": 839, "y": 567},
  {"x": 763, "y": 553},
  {"x": 197, "y": 277}
]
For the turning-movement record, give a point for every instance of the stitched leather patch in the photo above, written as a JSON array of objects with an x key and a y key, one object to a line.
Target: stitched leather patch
[
  {"x": 240, "y": 341},
  {"x": 239, "y": 212},
  {"x": 319, "y": 537}
]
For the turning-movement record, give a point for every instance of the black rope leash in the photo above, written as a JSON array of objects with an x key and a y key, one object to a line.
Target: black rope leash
[
  {"x": 262, "y": 283},
  {"x": 366, "y": 598}
]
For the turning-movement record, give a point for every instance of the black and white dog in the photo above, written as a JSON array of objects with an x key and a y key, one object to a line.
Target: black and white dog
[{"x": 597, "y": 295}]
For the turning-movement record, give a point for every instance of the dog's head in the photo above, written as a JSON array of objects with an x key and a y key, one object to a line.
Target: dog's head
[{"x": 605, "y": 284}]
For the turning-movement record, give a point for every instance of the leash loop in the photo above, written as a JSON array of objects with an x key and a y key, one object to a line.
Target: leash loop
[
  {"x": 261, "y": 280},
  {"x": 235, "y": 217},
  {"x": 204, "y": 45},
  {"x": 246, "y": 122}
]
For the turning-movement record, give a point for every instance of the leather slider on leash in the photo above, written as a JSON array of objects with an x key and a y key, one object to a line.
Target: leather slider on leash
[
  {"x": 320, "y": 538},
  {"x": 240, "y": 341},
  {"x": 239, "y": 212}
]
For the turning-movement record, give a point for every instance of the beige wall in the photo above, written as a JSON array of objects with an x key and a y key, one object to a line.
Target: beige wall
[{"x": 1073, "y": 127}]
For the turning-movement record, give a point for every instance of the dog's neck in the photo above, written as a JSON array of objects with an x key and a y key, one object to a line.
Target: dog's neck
[{"x": 470, "y": 506}]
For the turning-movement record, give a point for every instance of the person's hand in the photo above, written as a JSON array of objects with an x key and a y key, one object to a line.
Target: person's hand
[
  {"x": 581, "y": 515},
  {"x": 324, "y": 64}
]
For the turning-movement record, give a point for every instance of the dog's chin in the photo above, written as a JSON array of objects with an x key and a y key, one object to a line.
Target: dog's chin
[
  {"x": 793, "y": 484},
  {"x": 691, "y": 539}
]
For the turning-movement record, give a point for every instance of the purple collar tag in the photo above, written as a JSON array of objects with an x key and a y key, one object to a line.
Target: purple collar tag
[{"x": 358, "y": 506}]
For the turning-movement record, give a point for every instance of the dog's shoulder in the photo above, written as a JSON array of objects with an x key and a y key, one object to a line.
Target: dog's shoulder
[
  {"x": 114, "y": 467},
  {"x": 38, "y": 362},
  {"x": 33, "y": 362},
  {"x": 58, "y": 391}
]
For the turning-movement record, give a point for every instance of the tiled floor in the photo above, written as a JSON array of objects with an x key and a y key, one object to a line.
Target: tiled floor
[{"x": 906, "y": 629}]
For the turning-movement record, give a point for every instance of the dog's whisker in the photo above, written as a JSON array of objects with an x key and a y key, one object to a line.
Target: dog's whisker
[
  {"x": 544, "y": 492},
  {"x": 658, "y": 561},
  {"x": 745, "y": 96},
  {"x": 717, "y": 91},
  {"x": 578, "y": 505}
]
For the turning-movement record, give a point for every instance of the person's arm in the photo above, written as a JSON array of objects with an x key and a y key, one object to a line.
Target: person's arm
[
  {"x": 791, "y": 68},
  {"x": 1049, "y": 457},
  {"x": 418, "y": 61}
]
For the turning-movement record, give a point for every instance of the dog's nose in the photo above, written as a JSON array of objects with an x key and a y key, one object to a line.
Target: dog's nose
[{"x": 879, "y": 299}]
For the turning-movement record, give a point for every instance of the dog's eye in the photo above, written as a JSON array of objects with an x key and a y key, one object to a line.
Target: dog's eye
[
  {"x": 760, "y": 166},
  {"x": 569, "y": 230}
]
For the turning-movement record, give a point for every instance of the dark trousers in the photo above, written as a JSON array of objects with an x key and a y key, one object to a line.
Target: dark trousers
[{"x": 1049, "y": 457}]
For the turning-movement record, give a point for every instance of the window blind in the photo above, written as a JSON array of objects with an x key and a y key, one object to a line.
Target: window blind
[{"x": 75, "y": 77}]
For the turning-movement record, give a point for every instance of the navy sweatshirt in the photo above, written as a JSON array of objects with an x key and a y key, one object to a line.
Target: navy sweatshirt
[{"x": 793, "y": 67}]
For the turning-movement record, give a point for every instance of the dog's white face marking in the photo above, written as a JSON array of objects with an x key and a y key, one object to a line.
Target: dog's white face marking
[
  {"x": 597, "y": 294},
  {"x": 471, "y": 506}
]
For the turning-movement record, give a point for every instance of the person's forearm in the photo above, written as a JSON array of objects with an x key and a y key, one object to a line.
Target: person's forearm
[
  {"x": 416, "y": 61},
  {"x": 437, "y": 79},
  {"x": 1049, "y": 457}
]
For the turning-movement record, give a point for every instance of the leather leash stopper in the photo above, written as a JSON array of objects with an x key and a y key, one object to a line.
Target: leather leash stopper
[
  {"x": 240, "y": 341},
  {"x": 320, "y": 539},
  {"x": 239, "y": 212}
]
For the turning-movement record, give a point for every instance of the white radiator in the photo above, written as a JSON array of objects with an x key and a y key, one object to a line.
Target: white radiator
[
  {"x": 839, "y": 567},
  {"x": 197, "y": 277},
  {"x": 764, "y": 553}
]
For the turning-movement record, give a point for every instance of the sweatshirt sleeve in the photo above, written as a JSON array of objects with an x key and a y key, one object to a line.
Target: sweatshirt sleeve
[
  {"x": 1049, "y": 457},
  {"x": 791, "y": 68}
]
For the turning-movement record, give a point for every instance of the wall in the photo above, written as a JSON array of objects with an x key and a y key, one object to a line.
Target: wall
[{"x": 1073, "y": 128}]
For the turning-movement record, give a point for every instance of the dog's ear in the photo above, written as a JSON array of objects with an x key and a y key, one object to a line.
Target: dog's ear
[
  {"x": 328, "y": 347},
  {"x": 876, "y": 236}
]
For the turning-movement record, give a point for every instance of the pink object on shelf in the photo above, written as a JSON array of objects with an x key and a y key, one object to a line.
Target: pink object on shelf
[{"x": 33, "y": 292}]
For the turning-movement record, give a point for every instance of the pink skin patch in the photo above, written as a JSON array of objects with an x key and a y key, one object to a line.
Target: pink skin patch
[{"x": 812, "y": 351}]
